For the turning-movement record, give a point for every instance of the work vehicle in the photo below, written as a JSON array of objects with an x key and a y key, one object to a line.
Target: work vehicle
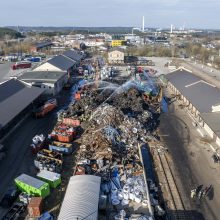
[
  {"x": 48, "y": 106},
  {"x": 21, "y": 65},
  {"x": 38, "y": 142}
]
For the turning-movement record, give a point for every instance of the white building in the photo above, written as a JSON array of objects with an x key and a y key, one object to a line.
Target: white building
[{"x": 51, "y": 81}]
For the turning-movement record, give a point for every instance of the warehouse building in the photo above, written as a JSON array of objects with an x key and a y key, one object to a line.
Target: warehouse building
[
  {"x": 81, "y": 199},
  {"x": 16, "y": 100},
  {"x": 51, "y": 81},
  {"x": 58, "y": 63},
  {"x": 73, "y": 55},
  {"x": 41, "y": 47},
  {"x": 200, "y": 97}
]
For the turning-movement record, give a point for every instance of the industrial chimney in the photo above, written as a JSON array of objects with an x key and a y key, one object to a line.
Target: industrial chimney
[{"x": 143, "y": 24}]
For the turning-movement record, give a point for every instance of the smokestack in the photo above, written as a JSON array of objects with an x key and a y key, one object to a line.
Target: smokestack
[
  {"x": 143, "y": 24},
  {"x": 171, "y": 29}
]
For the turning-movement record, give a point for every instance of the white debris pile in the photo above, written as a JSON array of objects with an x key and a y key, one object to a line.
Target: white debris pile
[{"x": 134, "y": 190}]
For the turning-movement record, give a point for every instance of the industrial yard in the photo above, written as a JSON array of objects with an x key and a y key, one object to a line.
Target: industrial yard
[
  {"x": 109, "y": 126},
  {"x": 118, "y": 135}
]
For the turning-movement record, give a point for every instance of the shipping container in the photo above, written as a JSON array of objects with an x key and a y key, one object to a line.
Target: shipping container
[
  {"x": 71, "y": 121},
  {"x": 35, "y": 207},
  {"x": 64, "y": 148},
  {"x": 52, "y": 178},
  {"x": 32, "y": 185}
]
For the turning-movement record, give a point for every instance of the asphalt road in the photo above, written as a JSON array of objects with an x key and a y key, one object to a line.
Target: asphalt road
[
  {"x": 191, "y": 163},
  {"x": 4, "y": 71}
]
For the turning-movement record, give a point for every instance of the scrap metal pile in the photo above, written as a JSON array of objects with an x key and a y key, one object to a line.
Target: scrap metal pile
[{"x": 116, "y": 124}]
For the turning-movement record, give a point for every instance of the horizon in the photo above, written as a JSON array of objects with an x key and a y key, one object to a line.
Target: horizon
[{"x": 98, "y": 13}]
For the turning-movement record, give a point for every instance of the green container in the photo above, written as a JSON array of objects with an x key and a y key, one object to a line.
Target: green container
[
  {"x": 32, "y": 186},
  {"x": 53, "y": 179}
]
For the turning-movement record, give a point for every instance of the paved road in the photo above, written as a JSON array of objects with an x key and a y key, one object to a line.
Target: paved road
[
  {"x": 192, "y": 163},
  {"x": 4, "y": 70}
]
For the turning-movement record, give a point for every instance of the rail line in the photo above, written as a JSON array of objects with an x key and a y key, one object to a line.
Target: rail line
[{"x": 176, "y": 210}]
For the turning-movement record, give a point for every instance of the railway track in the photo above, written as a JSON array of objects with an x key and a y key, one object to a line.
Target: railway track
[{"x": 175, "y": 209}]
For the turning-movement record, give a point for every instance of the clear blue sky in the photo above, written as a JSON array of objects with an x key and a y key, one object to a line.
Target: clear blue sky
[{"x": 158, "y": 13}]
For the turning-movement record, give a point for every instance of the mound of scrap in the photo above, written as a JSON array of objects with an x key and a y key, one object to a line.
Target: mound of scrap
[{"x": 116, "y": 121}]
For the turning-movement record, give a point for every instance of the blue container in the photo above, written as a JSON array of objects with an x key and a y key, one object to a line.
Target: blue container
[{"x": 64, "y": 148}]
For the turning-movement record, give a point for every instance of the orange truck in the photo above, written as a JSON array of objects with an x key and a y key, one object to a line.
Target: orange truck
[{"x": 48, "y": 106}]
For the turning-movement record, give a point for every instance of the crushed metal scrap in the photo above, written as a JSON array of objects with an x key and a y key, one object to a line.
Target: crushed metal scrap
[{"x": 117, "y": 119}]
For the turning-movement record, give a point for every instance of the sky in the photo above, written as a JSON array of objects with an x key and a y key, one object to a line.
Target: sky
[{"x": 108, "y": 13}]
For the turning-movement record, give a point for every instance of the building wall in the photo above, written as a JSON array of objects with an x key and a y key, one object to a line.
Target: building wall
[
  {"x": 209, "y": 130},
  {"x": 116, "y": 57},
  {"x": 47, "y": 67},
  {"x": 218, "y": 141}
]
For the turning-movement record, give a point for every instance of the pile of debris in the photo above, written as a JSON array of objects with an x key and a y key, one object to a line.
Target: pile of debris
[{"x": 118, "y": 120}]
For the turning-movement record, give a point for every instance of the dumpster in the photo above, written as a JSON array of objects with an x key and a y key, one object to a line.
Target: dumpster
[
  {"x": 32, "y": 185},
  {"x": 52, "y": 178},
  {"x": 35, "y": 207},
  {"x": 64, "y": 148}
]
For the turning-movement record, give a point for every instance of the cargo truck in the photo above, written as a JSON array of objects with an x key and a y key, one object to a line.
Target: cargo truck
[{"x": 48, "y": 106}]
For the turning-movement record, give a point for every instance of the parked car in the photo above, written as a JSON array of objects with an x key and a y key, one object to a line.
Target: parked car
[{"x": 21, "y": 65}]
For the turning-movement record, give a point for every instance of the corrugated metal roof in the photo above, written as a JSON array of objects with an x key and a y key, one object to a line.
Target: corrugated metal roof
[
  {"x": 200, "y": 93},
  {"x": 62, "y": 62},
  {"x": 41, "y": 76},
  {"x": 72, "y": 54},
  {"x": 31, "y": 181},
  {"x": 15, "y": 97},
  {"x": 81, "y": 198},
  {"x": 48, "y": 175}
]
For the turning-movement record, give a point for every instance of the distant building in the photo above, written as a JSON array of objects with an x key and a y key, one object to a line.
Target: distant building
[
  {"x": 116, "y": 56},
  {"x": 40, "y": 47},
  {"x": 118, "y": 43},
  {"x": 51, "y": 81},
  {"x": 201, "y": 98}
]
